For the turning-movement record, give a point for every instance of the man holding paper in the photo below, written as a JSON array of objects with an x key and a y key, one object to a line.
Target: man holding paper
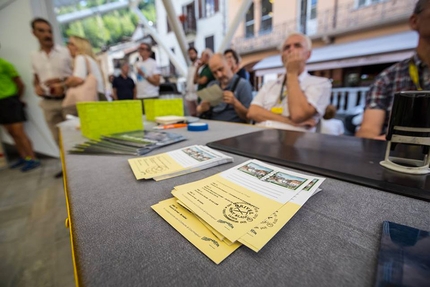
[{"x": 228, "y": 97}]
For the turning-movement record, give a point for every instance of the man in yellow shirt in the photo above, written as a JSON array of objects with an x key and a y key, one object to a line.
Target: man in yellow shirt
[{"x": 12, "y": 116}]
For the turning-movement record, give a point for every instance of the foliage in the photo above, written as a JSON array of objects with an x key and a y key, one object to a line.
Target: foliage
[{"x": 108, "y": 29}]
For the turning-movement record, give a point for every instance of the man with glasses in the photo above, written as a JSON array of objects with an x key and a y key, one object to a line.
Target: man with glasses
[
  {"x": 296, "y": 100},
  {"x": 409, "y": 75},
  {"x": 237, "y": 93},
  {"x": 147, "y": 73}
]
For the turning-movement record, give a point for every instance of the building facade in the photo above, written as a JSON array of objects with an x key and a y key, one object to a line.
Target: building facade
[
  {"x": 353, "y": 40},
  {"x": 208, "y": 17}
]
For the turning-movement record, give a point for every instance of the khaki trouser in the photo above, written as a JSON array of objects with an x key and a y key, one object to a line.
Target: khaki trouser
[{"x": 53, "y": 112}]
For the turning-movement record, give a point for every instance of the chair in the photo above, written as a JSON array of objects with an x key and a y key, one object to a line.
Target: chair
[{"x": 168, "y": 88}]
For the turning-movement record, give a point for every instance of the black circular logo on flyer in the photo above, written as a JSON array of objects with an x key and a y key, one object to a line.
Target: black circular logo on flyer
[{"x": 240, "y": 212}]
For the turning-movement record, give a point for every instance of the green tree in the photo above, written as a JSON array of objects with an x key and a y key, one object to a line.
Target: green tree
[
  {"x": 113, "y": 24},
  {"x": 96, "y": 32},
  {"x": 75, "y": 28},
  {"x": 127, "y": 25},
  {"x": 108, "y": 29}
]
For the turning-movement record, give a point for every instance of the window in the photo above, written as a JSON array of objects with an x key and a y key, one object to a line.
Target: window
[
  {"x": 172, "y": 68},
  {"x": 209, "y": 42},
  {"x": 313, "y": 14},
  {"x": 208, "y": 8},
  {"x": 266, "y": 16},
  {"x": 249, "y": 22},
  {"x": 363, "y": 3},
  {"x": 189, "y": 24}
]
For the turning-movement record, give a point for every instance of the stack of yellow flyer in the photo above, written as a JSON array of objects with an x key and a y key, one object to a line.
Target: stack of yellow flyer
[
  {"x": 247, "y": 204},
  {"x": 177, "y": 162}
]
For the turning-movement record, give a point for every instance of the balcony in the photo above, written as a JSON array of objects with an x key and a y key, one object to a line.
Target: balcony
[
  {"x": 266, "y": 39},
  {"x": 190, "y": 25},
  {"x": 345, "y": 18}
]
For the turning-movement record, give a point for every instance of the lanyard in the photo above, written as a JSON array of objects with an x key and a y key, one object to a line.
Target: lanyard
[
  {"x": 413, "y": 73},
  {"x": 281, "y": 95}
]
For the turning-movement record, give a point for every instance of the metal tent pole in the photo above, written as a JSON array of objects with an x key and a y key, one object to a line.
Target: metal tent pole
[
  {"x": 233, "y": 27},
  {"x": 177, "y": 28}
]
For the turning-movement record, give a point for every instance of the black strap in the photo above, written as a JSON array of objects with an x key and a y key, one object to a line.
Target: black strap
[
  {"x": 208, "y": 114},
  {"x": 233, "y": 88},
  {"x": 281, "y": 96}
]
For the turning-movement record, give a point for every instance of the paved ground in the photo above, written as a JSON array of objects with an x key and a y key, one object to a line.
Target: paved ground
[{"x": 34, "y": 243}]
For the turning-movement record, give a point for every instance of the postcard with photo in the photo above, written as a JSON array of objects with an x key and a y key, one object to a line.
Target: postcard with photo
[
  {"x": 255, "y": 170},
  {"x": 286, "y": 180},
  {"x": 311, "y": 184},
  {"x": 198, "y": 154}
]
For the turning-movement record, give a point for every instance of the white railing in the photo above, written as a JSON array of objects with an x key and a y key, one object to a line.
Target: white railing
[{"x": 346, "y": 100}]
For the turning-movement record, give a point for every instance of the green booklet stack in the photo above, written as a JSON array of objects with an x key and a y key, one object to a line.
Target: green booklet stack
[{"x": 138, "y": 142}]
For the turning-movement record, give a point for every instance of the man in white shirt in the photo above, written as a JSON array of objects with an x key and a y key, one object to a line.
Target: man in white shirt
[
  {"x": 51, "y": 64},
  {"x": 148, "y": 75},
  {"x": 191, "y": 88},
  {"x": 297, "y": 100}
]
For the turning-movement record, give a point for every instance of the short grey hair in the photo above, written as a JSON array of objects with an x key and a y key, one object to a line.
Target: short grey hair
[
  {"x": 208, "y": 51},
  {"x": 420, "y": 6},
  {"x": 306, "y": 37}
]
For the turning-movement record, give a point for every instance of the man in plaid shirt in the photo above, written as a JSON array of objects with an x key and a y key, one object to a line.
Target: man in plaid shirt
[{"x": 397, "y": 78}]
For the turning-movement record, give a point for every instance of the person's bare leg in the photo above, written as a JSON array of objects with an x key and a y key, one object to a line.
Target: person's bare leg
[{"x": 22, "y": 142}]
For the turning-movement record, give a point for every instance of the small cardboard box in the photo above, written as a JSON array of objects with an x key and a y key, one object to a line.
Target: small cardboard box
[
  {"x": 104, "y": 118},
  {"x": 163, "y": 107}
]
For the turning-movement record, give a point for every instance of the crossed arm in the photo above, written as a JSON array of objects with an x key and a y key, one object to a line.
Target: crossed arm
[{"x": 373, "y": 122}]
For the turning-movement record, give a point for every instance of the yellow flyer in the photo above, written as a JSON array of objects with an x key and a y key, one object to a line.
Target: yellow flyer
[
  {"x": 194, "y": 231},
  {"x": 151, "y": 166},
  {"x": 233, "y": 201},
  {"x": 258, "y": 236},
  {"x": 176, "y": 162}
]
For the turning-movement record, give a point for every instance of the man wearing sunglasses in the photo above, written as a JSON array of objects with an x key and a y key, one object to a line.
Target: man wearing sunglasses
[{"x": 147, "y": 73}]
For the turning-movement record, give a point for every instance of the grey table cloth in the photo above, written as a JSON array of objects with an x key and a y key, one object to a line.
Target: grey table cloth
[{"x": 120, "y": 241}]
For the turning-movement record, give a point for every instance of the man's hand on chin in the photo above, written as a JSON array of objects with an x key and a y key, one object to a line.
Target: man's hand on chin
[{"x": 294, "y": 63}]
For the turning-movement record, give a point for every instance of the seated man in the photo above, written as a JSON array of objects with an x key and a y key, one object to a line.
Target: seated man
[
  {"x": 233, "y": 60},
  {"x": 409, "y": 75},
  {"x": 237, "y": 94},
  {"x": 297, "y": 100}
]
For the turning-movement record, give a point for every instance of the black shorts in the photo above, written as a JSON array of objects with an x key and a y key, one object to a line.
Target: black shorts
[{"x": 11, "y": 111}]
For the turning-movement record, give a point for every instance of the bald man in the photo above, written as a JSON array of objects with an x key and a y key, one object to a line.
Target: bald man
[
  {"x": 237, "y": 95},
  {"x": 296, "y": 100}
]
